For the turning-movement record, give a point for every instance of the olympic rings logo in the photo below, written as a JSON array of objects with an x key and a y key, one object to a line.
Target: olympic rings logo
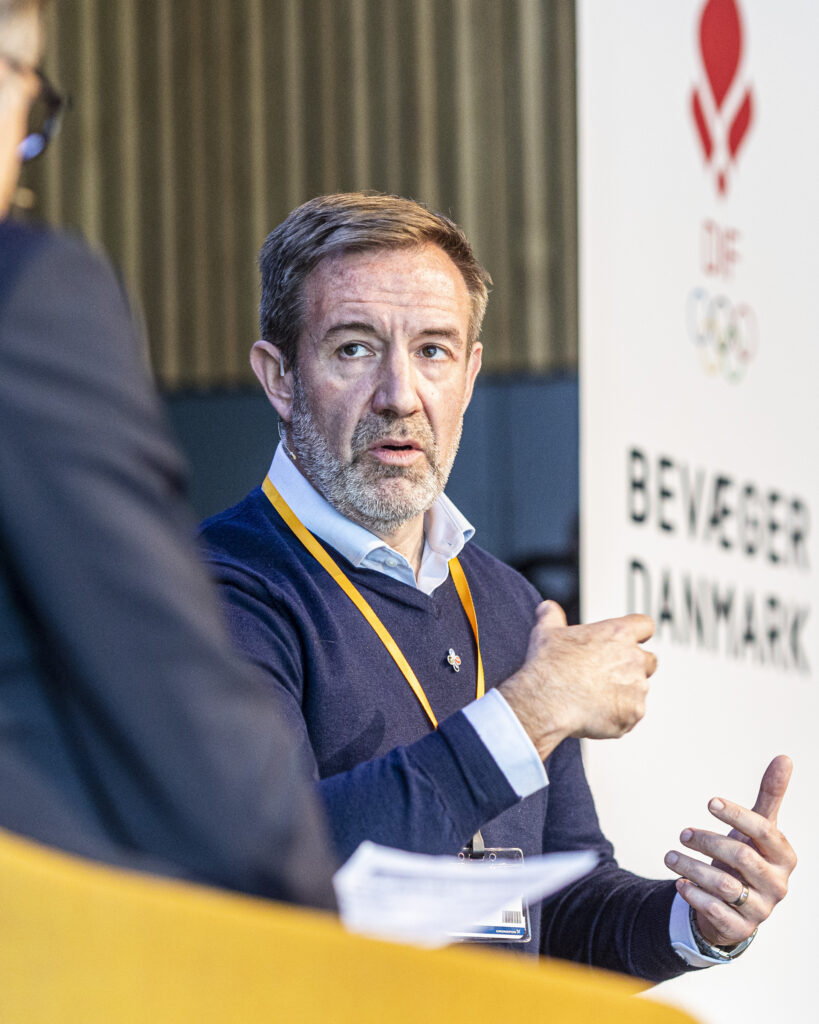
[{"x": 726, "y": 336}]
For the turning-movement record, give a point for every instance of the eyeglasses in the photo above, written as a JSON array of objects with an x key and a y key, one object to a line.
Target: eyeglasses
[{"x": 45, "y": 113}]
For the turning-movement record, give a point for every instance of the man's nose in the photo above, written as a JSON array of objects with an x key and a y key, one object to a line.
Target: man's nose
[{"x": 395, "y": 389}]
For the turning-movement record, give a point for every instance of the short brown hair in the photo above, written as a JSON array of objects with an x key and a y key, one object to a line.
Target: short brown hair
[{"x": 353, "y": 222}]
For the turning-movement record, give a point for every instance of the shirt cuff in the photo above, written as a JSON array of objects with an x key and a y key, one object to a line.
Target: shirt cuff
[
  {"x": 508, "y": 742},
  {"x": 682, "y": 939}
]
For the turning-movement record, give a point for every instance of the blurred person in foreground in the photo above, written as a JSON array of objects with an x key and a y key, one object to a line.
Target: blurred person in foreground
[
  {"x": 128, "y": 732},
  {"x": 440, "y": 701}
]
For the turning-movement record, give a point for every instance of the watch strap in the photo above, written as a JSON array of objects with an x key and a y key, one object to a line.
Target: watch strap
[{"x": 717, "y": 952}]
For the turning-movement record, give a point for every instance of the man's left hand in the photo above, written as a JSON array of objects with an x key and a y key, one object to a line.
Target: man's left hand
[{"x": 754, "y": 856}]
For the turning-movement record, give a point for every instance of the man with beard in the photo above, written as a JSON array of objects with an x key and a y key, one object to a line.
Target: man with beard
[{"x": 427, "y": 682}]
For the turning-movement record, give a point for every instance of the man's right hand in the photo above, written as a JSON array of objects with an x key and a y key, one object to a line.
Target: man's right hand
[{"x": 587, "y": 681}]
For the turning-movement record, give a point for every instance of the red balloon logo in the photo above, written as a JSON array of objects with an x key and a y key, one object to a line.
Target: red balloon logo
[{"x": 721, "y": 125}]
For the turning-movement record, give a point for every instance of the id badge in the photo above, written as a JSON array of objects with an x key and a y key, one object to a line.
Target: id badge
[{"x": 510, "y": 923}]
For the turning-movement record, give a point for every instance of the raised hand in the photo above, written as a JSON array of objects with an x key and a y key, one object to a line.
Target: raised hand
[
  {"x": 587, "y": 680},
  {"x": 749, "y": 871}
]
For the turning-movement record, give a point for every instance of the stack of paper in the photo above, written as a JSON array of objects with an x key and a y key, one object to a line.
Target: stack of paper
[{"x": 413, "y": 898}]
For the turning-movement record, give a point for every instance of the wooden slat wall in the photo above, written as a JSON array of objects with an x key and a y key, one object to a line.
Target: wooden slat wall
[{"x": 198, "y": 124}]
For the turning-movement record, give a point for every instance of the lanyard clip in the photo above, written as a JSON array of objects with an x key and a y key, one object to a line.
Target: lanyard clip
[{"x": 476, "y": 847}]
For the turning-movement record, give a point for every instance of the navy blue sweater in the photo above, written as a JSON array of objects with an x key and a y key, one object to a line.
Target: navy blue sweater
[{"x": 383, "y": 773}]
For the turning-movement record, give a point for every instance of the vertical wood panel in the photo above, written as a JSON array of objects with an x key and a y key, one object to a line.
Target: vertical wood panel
[
  {"x": 390, "y": 134},
  {"x": 167, "y": 254},
  {"x": 201, "y": 202},
  {"x": 89, "y": 97},
  {"x": 361, "y": 120},
  {"x": 130, "y": 123},
  {"x": 294, "y": 102},
  {"x": 533, "y": 182},
  {"x": 198, "y": 124},
  {"x": 328, "y": 100},
  {"x": 224, "y": 351},
  {"x": 255, "y": 150},
  {"x": 502, "y": 332},
  {"x": 465, "y": 127},
  {"x": 425, "y": 89},
  {"x": 564, "y": 284}
]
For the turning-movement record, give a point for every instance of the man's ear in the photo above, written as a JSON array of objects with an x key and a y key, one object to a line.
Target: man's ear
[
  {"x": 473, "y": 367},
  {"x": 268, "y": 365}
]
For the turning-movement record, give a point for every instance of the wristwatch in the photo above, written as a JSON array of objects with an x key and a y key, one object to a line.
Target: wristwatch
[{"x": 717, "y": 952}]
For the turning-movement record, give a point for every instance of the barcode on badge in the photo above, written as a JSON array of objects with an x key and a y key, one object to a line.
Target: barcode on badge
[{"x": 512, "y": 917}]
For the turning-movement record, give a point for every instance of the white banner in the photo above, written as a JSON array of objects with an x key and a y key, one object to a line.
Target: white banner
[{"x": 699, "y": 212}]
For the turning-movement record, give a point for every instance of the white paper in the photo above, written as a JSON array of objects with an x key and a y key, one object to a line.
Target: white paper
[{"x": 419, "y": 899}]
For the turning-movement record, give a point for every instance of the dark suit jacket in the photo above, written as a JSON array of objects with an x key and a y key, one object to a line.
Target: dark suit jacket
[{"x": 128, "y": 733}]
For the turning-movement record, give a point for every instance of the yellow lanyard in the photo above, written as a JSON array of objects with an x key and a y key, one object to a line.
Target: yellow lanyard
[{"x": 324, "y": 559}]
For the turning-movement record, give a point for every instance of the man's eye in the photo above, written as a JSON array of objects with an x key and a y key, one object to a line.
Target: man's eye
[
  {"x": 353, "y": 350},
  {"x": 433, "y": 352}
]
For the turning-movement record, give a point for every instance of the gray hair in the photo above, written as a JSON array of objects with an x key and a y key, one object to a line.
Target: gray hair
[{"x": 353, "y": 222}]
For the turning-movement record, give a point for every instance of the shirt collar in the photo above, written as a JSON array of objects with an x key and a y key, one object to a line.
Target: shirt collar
[{"x": 446, "y": 529}]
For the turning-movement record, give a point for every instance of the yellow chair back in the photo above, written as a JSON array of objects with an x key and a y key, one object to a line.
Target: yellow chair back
[{"x": 81, "y": 943}]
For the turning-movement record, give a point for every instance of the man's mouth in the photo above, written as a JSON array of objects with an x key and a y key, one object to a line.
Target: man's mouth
[{"x": 396, "y": 451}]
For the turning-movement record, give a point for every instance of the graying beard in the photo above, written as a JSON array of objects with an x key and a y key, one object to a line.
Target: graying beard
[{"x": 347, "y": 491}]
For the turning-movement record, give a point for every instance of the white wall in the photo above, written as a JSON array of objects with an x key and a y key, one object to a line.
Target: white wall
[{"x": 667, "y": 259}]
